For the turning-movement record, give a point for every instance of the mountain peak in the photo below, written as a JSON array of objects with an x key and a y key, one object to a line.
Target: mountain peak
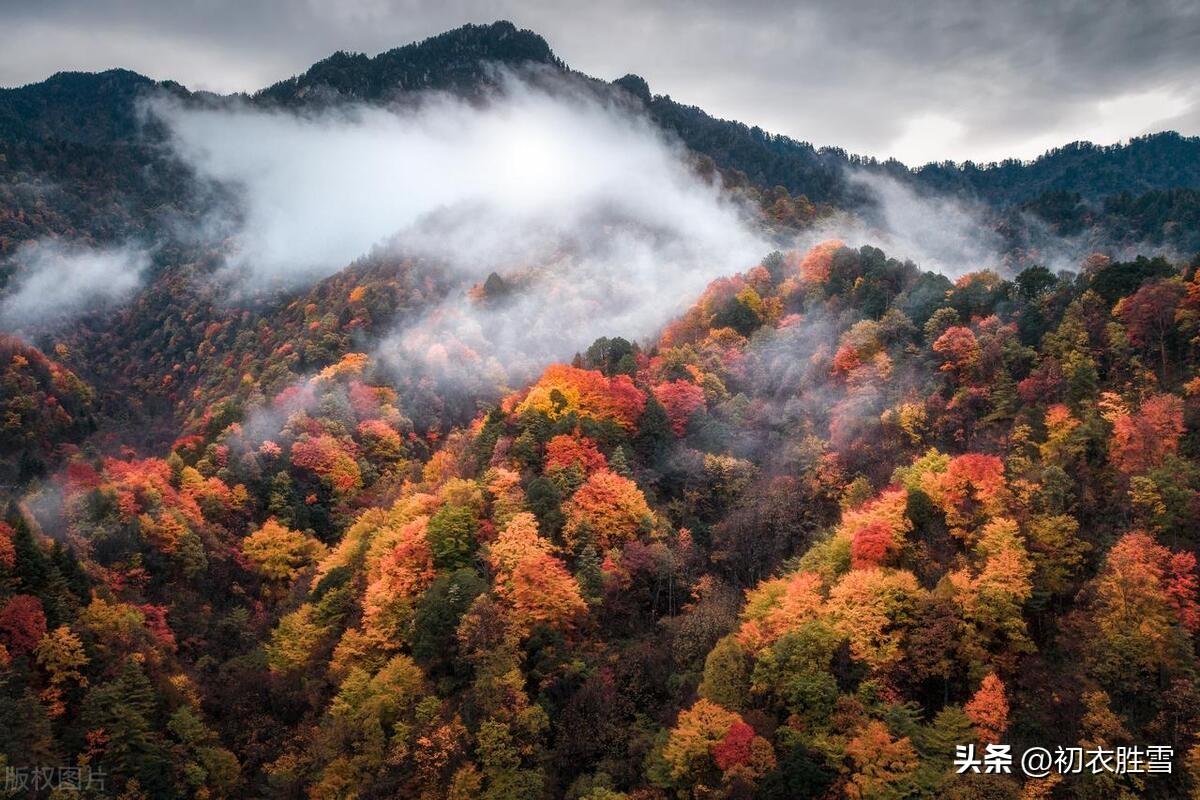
[
  {"x": 635, "y": 85},
  {"x": 85, "y": 107},
  {"x": 454, "y": 60}
]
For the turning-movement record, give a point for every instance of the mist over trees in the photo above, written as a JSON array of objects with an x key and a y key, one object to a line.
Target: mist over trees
[
  {"x": 829, "y": 525},
  {"x": 835, "y": 515}
]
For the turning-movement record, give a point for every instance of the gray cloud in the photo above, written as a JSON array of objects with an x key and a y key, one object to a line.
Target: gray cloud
[
  {"x": 942, "y": 78},
  {"x": 937, "y": 232},
  {"x": 594, "y": 219},
  {"x": 487, "y": 186},
  {"x": 57, "y": 281}
]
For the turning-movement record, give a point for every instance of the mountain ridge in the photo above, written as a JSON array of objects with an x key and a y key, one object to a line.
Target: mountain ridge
[{"x": 68, "y": 106}]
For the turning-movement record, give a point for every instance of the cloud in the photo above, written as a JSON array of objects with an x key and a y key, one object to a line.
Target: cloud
[
  {"x": 616, "y": 280},
  {"x": 954, "y": 235},
  {"x": 317, "y": 191},
  {"x": 596, "y": 222},
  {"x": 56, "y": 281},
  {"x": 938, "y": 232}
]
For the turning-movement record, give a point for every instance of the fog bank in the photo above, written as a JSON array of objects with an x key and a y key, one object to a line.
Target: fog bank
[{"x": 597, "y": 222}]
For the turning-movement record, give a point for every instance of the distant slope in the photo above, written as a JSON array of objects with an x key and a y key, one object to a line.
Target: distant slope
[
  {"x": 75, "y": 160},
  {"x": 1150, "y": 163},
  {"x": 1156, "y": 162}
]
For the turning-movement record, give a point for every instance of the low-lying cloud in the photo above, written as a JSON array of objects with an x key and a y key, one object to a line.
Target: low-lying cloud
[
  {"x": 320, "y": 189},
  {"x": 595, "y": 222},
  {"x": 954, "y": 235},
  {"x": 56, "y": 281},
  {"x": 574, "y": 197},
  {"x": 937, "y": 232}
]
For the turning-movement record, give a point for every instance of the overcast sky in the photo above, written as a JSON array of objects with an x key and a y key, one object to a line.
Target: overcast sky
[{"x": 921, "y": 81}]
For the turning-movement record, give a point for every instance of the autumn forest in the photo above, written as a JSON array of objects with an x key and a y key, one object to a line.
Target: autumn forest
[{"x": 393, "y": 530}]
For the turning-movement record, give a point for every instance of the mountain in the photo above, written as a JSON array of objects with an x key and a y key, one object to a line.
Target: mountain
[
  {"x": 98, "y": 110},
  {"x": 79, "y": 160},
  {"x": 1156, "y": 162},
  {"x": 838, "y": 526},
  {"x": 78, "y": 107},
  {"x": 453, "y": 61}
]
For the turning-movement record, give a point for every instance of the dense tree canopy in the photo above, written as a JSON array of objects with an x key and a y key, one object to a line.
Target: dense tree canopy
[
  {"x": 802, "y": 545},
  {"x": 840, "y": 516}
]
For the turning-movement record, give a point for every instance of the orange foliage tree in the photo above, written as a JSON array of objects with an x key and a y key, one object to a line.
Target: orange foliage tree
[
  {"x": 535, "y": 584},
  {"x": 608, "y": 507},
  {"x": 988, "y": 709},
  {"x": 1145, "y": 587},
  {"x": 564, "y": 389},
  {"x": 403, "y": 571},
  {"x": 332, "y": 460},
  {"x": 777, "y": 607},
  {"x": 707, "y": 735},
  {"x": 880, "y": 762},
  {"x": 969, "y": 491},
  {"x": 572, "y": 450},
  {"x": 960, "y": 352},
  {"x": 816, "y": 265},
  {"x": 1141, "y": 441}
]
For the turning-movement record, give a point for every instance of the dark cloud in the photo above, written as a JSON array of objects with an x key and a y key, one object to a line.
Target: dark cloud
[{"x": 946, "y": 78}]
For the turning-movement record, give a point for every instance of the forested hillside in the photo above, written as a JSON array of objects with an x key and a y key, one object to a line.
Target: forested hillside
[{"x": 839, "y": 516}]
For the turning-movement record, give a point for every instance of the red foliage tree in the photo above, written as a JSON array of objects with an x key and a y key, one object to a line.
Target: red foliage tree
[
  {"x": 331, "y": 459},
  {"x": 155, "y": 617},
  {"x": 970, "y": 490},
  {"x": 959, "y": 350},
  {"x": 873, "y": 545},
  {"x": 1141, "y": 441},
  {"x": 1046, "y": 383},
  {"x": 1149, "y": 315},
  {"x": 23, "y": 623},
  {"x": 567, "y": 450},
  {"x": 734, "y": 749},
  {"x": 1183, "y": 589},
  {"x": 681, "y": 399}
]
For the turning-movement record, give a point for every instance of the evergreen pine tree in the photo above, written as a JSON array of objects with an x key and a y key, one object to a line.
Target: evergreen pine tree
[{"x": 619, "y": 463}]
